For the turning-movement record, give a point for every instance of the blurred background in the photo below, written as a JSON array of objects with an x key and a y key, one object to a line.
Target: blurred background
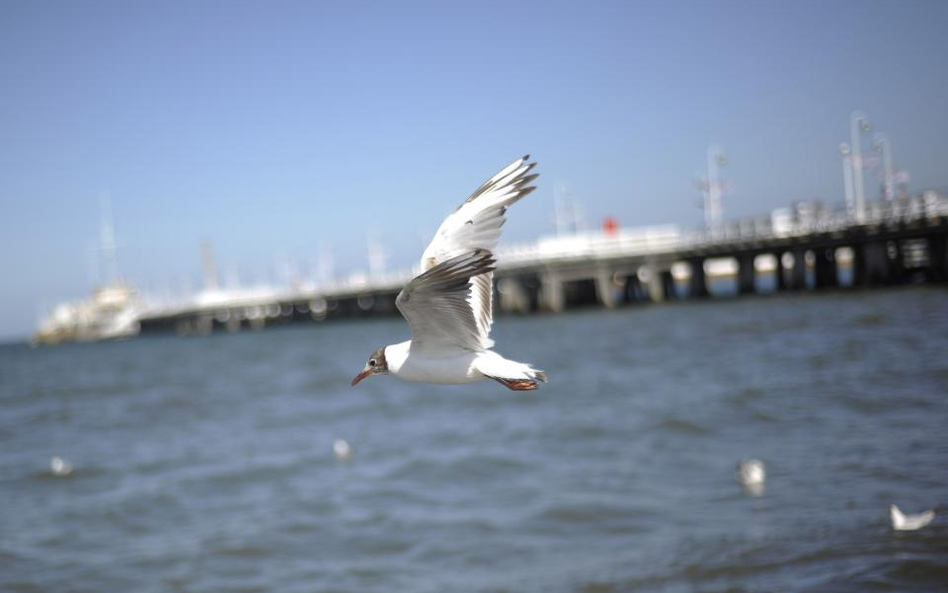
[{"x": 737, "y": 252}]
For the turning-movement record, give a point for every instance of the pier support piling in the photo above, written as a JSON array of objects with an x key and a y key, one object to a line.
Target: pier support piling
[
  {"x": 938, "y": 258},
  {"x": 894, "y": 263},
  {"x": 697, "y": 284},
  {"x": 871, "y": 265},
  {"x": 552, "y": 293},
  {"x": 826, "y": 268},
  {"x": 512, "y": 297},
  {"x": 798, "y": 275},
  {"x": 668, "y": 284},
  {"x": 606, "y": 289},
  {"x": 779, "y": 275},
  {"x": 634, "y": 291},
  {"x": 859, "y": 265},
  {"x": 656, "y": 283},
  {"x": 745, "y": 273}
]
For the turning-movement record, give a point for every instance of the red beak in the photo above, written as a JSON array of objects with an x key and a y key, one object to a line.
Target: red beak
[{"x": 359, "y": 377}]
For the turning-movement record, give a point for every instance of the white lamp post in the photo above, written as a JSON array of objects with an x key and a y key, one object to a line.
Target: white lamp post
[
  {"x": 882, "y": 144},
  {"x": 847, "y": 155},
  {"x": 858, "y": 123},
  {"x": 714, "y": 211}
]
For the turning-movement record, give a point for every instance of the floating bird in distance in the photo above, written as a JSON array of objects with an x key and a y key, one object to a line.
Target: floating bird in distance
[
  {"x": 59, "y": 466},
  {"x": 342, "y": 450},
  {"x": 903, "y": 522},
  {"x": 449, "y": 304},
  {"x": 752, "y": 473}
]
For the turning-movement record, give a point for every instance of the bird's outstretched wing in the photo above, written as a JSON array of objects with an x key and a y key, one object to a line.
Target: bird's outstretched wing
[
  {"x": 437, "y": 303},
  {"x": 476, "y": 224}
]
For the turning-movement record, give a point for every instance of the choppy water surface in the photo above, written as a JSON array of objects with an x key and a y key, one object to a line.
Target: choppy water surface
[{"x": 206, "y": 464}]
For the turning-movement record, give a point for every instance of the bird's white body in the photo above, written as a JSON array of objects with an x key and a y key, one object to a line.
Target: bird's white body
[
  {"x": 903, "y": 522},
  {"x": 452, "y": 365}
]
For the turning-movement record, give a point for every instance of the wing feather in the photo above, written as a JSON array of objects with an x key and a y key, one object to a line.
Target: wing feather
[
  {"x": 437, "y": 303},
  {"x": 477, "y": 224}
]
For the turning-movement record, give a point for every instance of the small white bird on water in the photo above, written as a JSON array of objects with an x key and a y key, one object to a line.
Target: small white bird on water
[
  {"x": 342, "y": 450},
  {"x": 59, "y": 466},
  {"x": 449, "y": 305},
  {"x": 903, "y": 522},
  {"x": 752, "y": 473}
]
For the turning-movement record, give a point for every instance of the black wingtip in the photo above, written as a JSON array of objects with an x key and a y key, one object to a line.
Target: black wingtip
[
  {"x": 484, "y": 257},
  {"x": 475, "y": 262}
]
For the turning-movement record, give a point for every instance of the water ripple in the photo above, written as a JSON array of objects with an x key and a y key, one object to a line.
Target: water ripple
[{"x": 206, "y": 464}]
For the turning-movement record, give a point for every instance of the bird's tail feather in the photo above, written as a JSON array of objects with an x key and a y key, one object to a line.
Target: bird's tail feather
[{"x": 515, "y": 375}]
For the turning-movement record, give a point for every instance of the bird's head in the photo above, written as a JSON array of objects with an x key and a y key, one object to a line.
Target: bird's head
[{"x": 376, "y": 365}]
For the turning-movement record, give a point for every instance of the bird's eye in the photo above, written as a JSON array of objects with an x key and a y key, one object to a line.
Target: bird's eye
[{"x": 372, "y": 362}]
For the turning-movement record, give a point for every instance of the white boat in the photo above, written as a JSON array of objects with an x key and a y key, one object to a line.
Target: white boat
[{"x": 111, "y": 312}]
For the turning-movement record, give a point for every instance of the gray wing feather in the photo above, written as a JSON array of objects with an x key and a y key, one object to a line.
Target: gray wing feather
[
  {"x": 482, "y": 299},
  {"x": 437, "y": 305},
  {"x": 476, "y": 224}
]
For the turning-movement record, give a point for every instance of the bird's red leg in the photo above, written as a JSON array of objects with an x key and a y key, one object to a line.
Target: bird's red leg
[{"x": 516, "y": 384}]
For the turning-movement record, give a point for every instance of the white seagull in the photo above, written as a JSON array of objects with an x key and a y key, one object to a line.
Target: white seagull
[
  {"x": 342, "y": 450},
  {"x": 752, "y": 474},
  {"x": 449, "y": 304},
  {"x": 903, "y": 522},
  {"x": 59, "y": 466}
]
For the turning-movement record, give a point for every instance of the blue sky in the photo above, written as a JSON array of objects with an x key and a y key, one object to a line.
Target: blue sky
[{"x": 283, "y": 127}]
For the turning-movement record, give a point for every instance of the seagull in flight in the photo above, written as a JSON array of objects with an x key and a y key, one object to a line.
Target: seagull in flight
[{"x": 449, "y": 304}]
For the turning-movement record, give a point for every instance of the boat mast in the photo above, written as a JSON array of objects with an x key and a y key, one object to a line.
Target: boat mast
[{"x": 107, "y": 244}]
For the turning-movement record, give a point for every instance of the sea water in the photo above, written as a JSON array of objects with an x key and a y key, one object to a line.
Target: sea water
[{"x": 207, "y": 464}]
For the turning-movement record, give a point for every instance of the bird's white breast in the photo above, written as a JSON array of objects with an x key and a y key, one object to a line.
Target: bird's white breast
[{"x": 447, "y": 367}]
